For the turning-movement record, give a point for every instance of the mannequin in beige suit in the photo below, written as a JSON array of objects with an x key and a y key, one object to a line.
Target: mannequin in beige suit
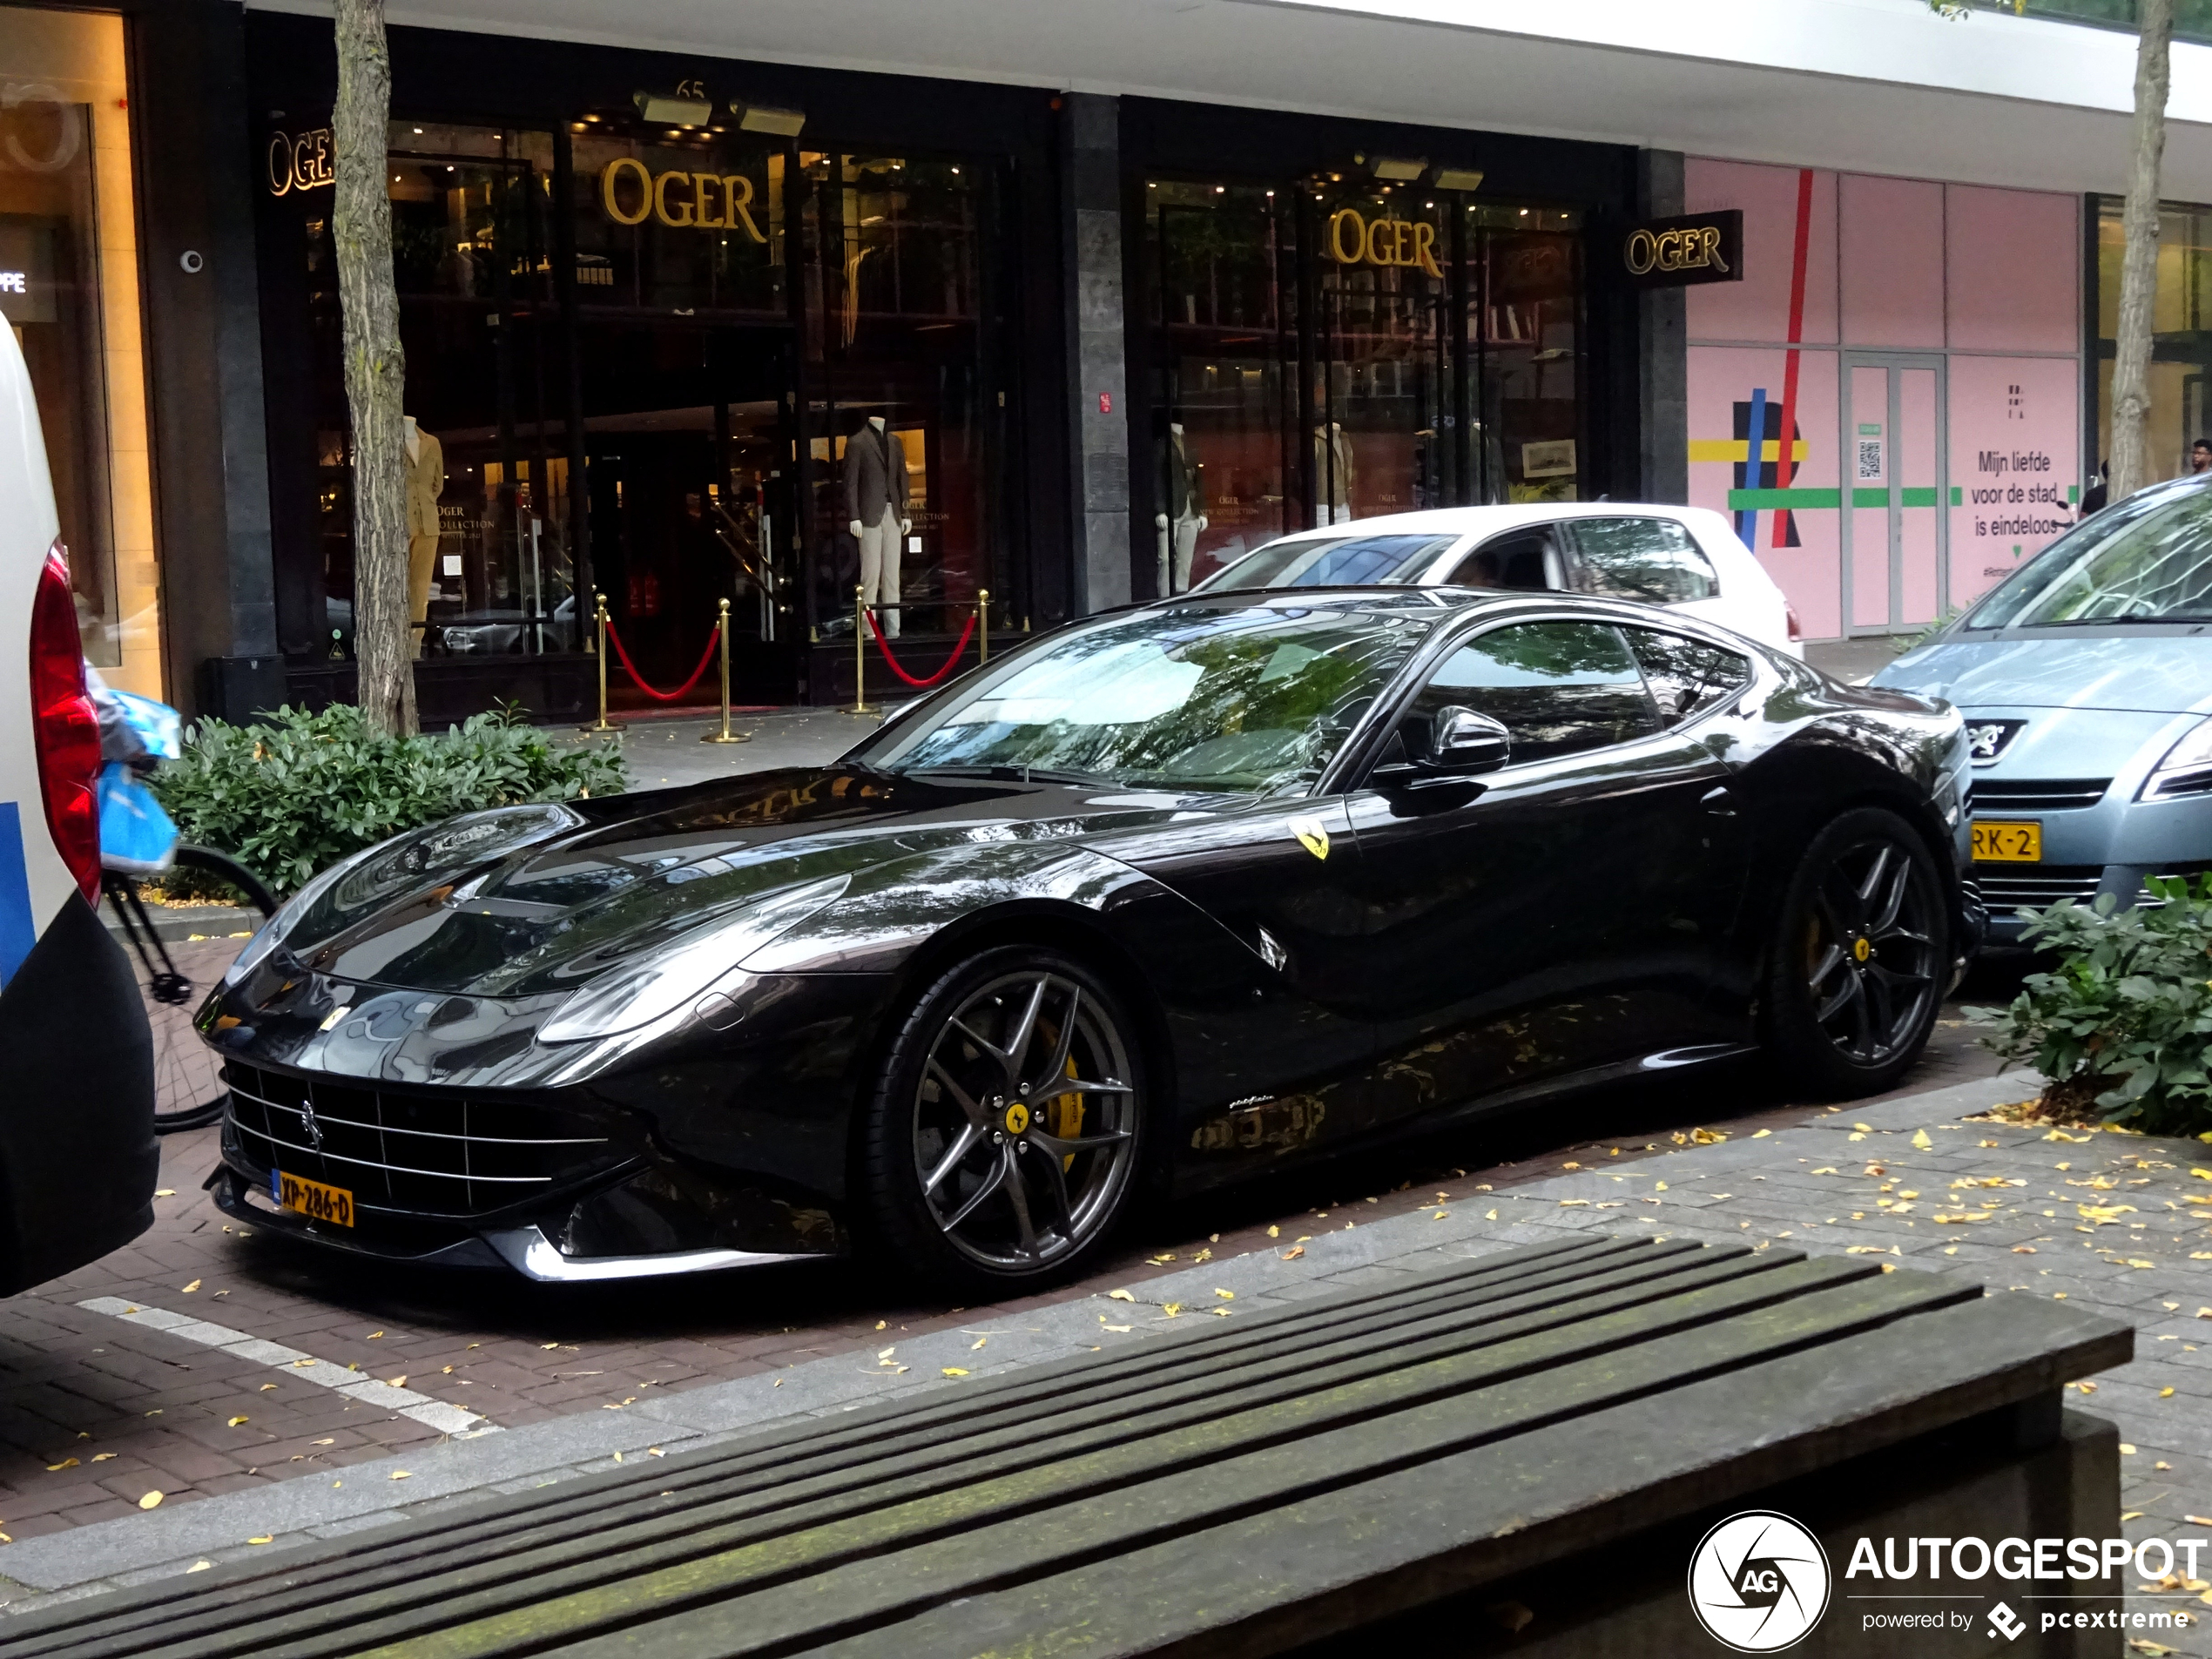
[
  {"x": 877, "y": 512},
  {"x": 426, "y": 481}
]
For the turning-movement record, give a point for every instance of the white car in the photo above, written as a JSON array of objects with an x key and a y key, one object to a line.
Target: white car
[
  {"x": 1687, "y": 558},
  {"x": 77, "y": 1156}
]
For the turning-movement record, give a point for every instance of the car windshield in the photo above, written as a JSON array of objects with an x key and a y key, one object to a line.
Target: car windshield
[
  {"x": 1253, "y": 700},
  {"x": 2146, "y": 559},
  {"x": 1333, "y": 562}
]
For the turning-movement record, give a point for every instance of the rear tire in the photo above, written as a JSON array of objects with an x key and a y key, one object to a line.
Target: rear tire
[
  {"x": 1855, "y": 971},
  {"x": 981, "y": 1178}
]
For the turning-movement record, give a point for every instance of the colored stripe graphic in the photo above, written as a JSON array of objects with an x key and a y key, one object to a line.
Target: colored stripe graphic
[
  {"x": 17, "y": 932},
  {"x": 1736, "y": 450},
  {"x": 1784, "y": 464},
  {"x": 1747, "y": 523},
  {"x": 1797, "y": 500}
]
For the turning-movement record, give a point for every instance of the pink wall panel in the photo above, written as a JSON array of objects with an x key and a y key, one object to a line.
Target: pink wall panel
[
  {"x": 1759, "y": 307},
  {"x": 1721, "y": 380},
  {"x": 2013, "y": 269},
  {"x": 1891, "y": 261},
  {"x": 2015, "y": 449}
]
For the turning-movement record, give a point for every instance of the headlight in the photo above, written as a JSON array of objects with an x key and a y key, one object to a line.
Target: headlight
[
  {"x": 2186, "y": 769},
  {"x": 452, "y": 844},
  {"x": 657, "y": 983},
  {"x": 287, "y": 917}
]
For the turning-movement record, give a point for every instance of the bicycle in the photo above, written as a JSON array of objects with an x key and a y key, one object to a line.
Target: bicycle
[
  {"x": 174, "y": 981},
  {"x": 226, "y": 902}
]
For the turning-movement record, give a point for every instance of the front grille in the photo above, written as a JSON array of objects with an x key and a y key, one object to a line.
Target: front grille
[
  {"x": 2038, "y": 795},
  {"x": 443, "y": 1152},
  {"x": 2180, "y": 785},
  {"x": 2035, "y": 888}
]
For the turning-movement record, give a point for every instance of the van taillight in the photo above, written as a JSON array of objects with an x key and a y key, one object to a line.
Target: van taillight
[
  {"x": 64, "y": 727},
  {"x": 1796, "y": 628}
]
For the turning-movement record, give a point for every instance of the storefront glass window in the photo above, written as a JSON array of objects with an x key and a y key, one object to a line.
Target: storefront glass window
[
  {"x": 683, "y": 348},
  {"x": 69, "y": 288},
  {"x": 1525, "y": 328},
  {"x": 1330, "y": 349},
  {"x": 2181, "y": 363},
  {"x": 1226, "y": 473},
  {"x": 490, "y": 565},
  {"x": 900, "y": 320}
]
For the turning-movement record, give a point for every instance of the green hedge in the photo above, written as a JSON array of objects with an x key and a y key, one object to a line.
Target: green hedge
[
  {"x": 290, "y": 797},
  {"x": 2124, "y": 1026}
]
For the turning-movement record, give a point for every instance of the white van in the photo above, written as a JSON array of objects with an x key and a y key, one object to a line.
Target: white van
[{"x": 78, "y": 1157}]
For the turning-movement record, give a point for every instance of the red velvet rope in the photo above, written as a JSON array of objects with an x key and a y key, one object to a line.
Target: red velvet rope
[
  {"x": 958, "y": 647},
  {"x": 615, "y": 639}
]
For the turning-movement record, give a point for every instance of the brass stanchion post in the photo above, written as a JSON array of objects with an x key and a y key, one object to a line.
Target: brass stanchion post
[
  {"x": 983, "y": 624},
  {"x": 859, "y": 650},
  {"x": 599, "y": 608},
  {"x": 725, "y": 735}
]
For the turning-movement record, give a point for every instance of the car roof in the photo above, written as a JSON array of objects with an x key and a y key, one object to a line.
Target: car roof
[
  {"x": 1482, "y": 520},
  {"x": 1444, "y": 603}
]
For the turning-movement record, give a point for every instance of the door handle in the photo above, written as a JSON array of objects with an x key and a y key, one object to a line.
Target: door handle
[{"x": 1720, "y": 801}]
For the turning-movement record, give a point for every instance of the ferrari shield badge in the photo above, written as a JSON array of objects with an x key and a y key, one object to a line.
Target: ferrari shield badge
[{"x": 1312, "y": 835}]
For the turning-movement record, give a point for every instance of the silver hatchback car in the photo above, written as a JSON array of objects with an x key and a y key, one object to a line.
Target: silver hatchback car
[{"x": 2086, "y": 681}]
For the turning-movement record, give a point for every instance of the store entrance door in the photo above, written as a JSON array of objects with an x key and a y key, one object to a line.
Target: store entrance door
[
  {"x": 688, "y": 463},
  {"x": 1894, "y": 568}
]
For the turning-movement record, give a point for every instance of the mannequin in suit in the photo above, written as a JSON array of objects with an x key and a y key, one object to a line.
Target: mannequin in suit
[
  {"x": 1177, "y": 528},
  {"x": 426, "y": 481},
  {"x": 1332, "y": 473},
  {"x": 877, "y": 513}
]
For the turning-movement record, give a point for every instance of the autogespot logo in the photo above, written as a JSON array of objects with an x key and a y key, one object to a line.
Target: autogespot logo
[{"x": 1758, "y": 1581}]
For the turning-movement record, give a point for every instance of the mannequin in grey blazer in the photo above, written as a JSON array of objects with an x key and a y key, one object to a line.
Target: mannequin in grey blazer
[{"x": 876, "y": 512}]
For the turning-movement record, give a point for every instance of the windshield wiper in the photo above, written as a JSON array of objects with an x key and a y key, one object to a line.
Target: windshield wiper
[
  {"x": 1014, "y": 774},
  {"x": 2133, "y": 619}
]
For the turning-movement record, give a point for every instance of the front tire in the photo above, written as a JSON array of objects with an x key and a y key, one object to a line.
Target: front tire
[
  {"x": 1003, "y": 1141},
  {"x": 1854, "y": 973}
]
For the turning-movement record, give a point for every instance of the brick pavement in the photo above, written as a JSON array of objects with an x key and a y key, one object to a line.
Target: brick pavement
[{"x": 141, "y": 1411}]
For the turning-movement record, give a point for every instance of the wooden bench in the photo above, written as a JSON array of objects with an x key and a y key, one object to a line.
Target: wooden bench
[{"x": 1564, "y": 1415}]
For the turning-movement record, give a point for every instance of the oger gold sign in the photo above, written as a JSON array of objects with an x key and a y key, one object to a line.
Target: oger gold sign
[
  {"x": 706, "y": 201},
  {"x": 1357, "y": 240},
  {"x": 1696, "y": 247}
]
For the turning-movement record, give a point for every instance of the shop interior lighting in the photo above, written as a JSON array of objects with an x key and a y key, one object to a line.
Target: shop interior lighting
[
  {"x": 1458, "y": 177},
  {"x": 667, "y": 109},
  {"x": 1400, "y": 166},
  {"x": 765, "y": 118}
]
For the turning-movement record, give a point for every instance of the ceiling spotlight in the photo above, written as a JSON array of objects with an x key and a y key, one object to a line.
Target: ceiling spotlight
[
  {"x": 670, "y": 109},
  {"x": 765, "y": 118},
  {"x": 1458, "y": 177},
  {"x": 1400, "y": 166}
]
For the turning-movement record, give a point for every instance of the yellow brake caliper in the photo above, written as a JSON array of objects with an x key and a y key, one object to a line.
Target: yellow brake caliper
[{"x": 1068, "y": 1118}]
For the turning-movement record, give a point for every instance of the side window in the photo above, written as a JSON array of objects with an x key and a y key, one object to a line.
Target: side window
[
  {"x": 1558, "y": 687},
  {"x": 1530, "y": 559},
  {"x": 1654, "y": 560},
  {"x": 1687, "y": 677}
]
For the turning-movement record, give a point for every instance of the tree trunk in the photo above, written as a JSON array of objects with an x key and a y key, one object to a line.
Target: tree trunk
[
  {"x": 2131, "y": 460},
  {"x": 375, "y": 370}
]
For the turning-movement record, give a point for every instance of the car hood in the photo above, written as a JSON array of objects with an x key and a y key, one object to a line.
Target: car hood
[
  {"x": 2119, "y": 668},
  {"x": 638, "y": 871}
]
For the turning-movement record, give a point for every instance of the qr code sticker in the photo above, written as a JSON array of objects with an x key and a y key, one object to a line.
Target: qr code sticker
[{"x": 1870, "y": 458}]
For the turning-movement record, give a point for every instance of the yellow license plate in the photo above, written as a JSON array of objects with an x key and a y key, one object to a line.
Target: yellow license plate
[
  {"x": 1999, "y": 842},
  {"x": 312, "y": 1199}
]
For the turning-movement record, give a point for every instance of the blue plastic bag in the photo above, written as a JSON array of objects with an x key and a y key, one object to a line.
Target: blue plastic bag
[
  {"x": 157, "y": 724},
  {"x": 136, "y": 836}
]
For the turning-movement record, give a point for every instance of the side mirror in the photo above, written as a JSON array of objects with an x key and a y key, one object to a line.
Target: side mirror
[{"x": 1464, "y": 742}]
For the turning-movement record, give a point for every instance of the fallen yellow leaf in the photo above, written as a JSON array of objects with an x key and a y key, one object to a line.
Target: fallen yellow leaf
[
  {"x": 955, "y": 1371},
  {"x": 199, "y": 1567},
  {"x": 1119, "y": 1296},
  {"x": 1293, "y": 1252},
  {"x": 403, "y": 1474},
  {"x": 189, "y": 1288},
  {"x": 1226, "y": 1296},
  {"x": 152, "y": 1500},
  {"x": 1761, "y": 1134},
  {"x": 264, "y": 1538},
  {"x": 165, "y": 1192},
  {"x": 1920, "y": 1141},
  {"x": 978, "y": 1343},
  {"x": 1170, "y": 1308},
  {"x": 397, "y": 1382},
  {"x": 1273, "y": 1232},
  {"x": 1122, "y": 1328},
  {"x": 235, "y": 1421},
  {"x": 66, "y": 1463}
]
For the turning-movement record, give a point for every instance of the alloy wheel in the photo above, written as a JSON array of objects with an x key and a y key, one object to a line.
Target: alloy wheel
[
  {"x": 1025, "y": 1122},
  {"x": 1871, "y": 950}
]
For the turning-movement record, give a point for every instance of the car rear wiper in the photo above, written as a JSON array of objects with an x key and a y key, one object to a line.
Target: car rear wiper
[{"x": 1013, "y": 774}]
